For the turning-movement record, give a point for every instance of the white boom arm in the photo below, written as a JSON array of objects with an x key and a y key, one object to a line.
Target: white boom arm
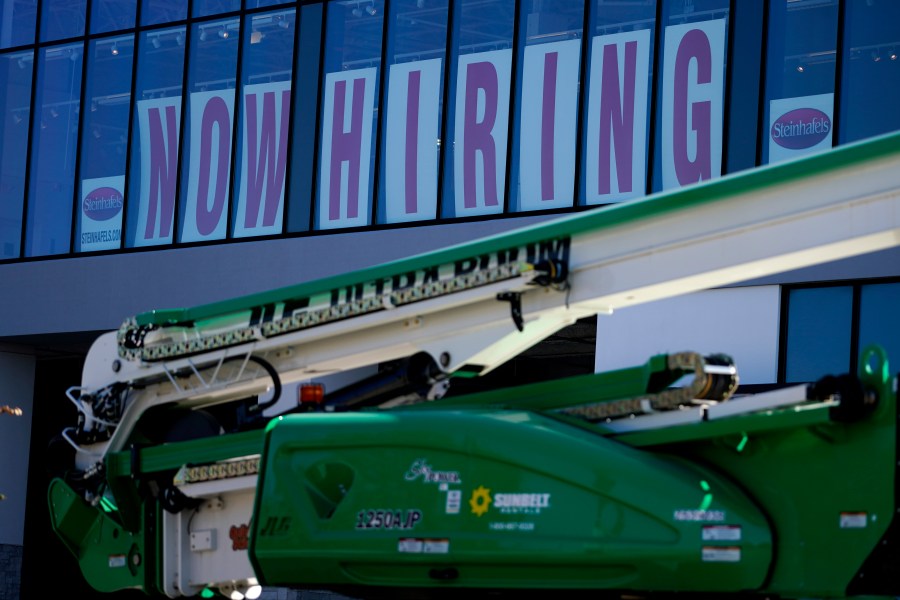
[{"x": 465, "y": 306}]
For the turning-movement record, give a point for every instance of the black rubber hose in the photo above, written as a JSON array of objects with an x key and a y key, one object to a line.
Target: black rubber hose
[{"x": 273, "y": 374}]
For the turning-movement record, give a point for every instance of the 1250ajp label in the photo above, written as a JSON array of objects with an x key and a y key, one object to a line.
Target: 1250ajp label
[{"x": 388, "y": 519}]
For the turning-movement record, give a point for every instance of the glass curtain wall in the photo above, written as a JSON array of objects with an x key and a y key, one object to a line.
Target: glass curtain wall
[
  {"x": 349, "y": 114},
  {"x": 870, "y": 80},
  {"x": 828, "y": 326},
  {"x": 478, "y": 108},
  {"x": 818, "y": 334},
  {"x": 62, "y": 19},
  {"x": 155, "y": 12},
  {"x": 548, "y": 80},
  {"x": 17, "y": 22},
  {"x": 879, "y": 319},
  {"x": 263, "y": 124},
  {"x": 100, "y": 202},
  {"x": 261, "y": 3},
  {"x": 54, "y": 148},
  {"x": 484, "y": 107},
  {"x": 800, "y": 71},
  {"x": 411, "y": 129},
  {"x": 15, "y": 109},
  {"x": 112, "y": 15},
  {"x": 205, "y": 8},
  {"x": 689, "y": 118},
  {"x": 156, "y": 123},
  {"x": 208, "y": 126}
]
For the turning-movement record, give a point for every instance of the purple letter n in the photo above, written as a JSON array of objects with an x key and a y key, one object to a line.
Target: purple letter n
[
  {"x": 617, "y": 118},
  {"x": 163, "y": 165}
]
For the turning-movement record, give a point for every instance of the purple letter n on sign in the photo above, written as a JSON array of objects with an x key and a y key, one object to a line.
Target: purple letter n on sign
[
  {"x": 158, "y": 123},
  {"x": 347, "y": 123},
  {"x": 616, "y": 143},
  {"x": 481, "y": 131},
  {"x": 617, "y": 115}
]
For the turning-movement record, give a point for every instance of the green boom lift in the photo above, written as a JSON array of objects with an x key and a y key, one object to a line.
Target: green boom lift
[{"x": 190, "y": 475}]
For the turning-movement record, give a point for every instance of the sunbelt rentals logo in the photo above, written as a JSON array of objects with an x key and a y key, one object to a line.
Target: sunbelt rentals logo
[{"x": 507, "y": 503}]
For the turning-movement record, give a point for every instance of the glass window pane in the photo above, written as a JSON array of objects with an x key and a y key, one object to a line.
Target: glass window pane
[
  {"x": 304, "y": 144},
  {"x": 411, "y": 129},
  {"x": 204, "y": 8},
  {"x": 154, "y": 138},
  {"x": 17, "y": 21},
  {"x": 478, "y": 108},
  {"x": 105, "y": 125},
  {"x": 262, "y": 3},
  {"x": 112, "y": 15},
  {"x": 689, "y": 115},
  {"x": 879, "y": 320},
  {"x": 818, "y": 339},
  {"x": 870, "y": 81},
  {"x": 799, "y": 84},
  {"x": 51, "y": 190},
  {"x": 349, "y": 112},
  {"x": 155, "y": 12},
  {"x": 205, "y": 185},
  {"x": 62, "y": 19},
  {"x": 745, "y": 80},
  {"x": 15, "y": 83},
  {"x": 264, "y": 118},
  {"x": 617, "y": 107},
  {"x": 548, "y": 74}
]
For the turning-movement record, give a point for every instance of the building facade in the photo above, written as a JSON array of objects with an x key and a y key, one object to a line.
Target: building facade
[{"x": 158, "y": 154}]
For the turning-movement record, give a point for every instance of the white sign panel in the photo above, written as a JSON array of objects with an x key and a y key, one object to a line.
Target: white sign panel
[
  {"x": 799, "y": 126},
  {"x": 347, "y": 128},
  {"x": 481, "y": 132},
  {"x": 616, "y": 140},
  {"x": 159, "y": 122},
  {"x": 102, "y": 201},
  {"x": 411, "y": 141},
  {"x": 260, "y": 202},
  {"x": 206, "y": 201},
  {"x": 693, "y": 92},
  {"x": 548, "y": 125}
]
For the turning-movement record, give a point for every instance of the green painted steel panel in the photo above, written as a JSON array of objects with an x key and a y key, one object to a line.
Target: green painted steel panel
[
  {"x": 494, "y": 499},
  {"x": 111, "y": 558},
  {"x": 493, "y": 492}
]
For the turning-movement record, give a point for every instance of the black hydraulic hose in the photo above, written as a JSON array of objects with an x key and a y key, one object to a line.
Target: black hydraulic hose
[{"x": 273, "y": 374}]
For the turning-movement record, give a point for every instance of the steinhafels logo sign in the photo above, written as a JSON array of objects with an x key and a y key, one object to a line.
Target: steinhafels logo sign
[
  {"x": 102, "y": 204},
  {"x": 799, "y": 126},
  {"x": 100, "y": 224}
]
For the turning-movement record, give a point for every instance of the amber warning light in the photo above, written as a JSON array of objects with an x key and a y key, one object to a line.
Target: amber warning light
[{"x": 310, "y": 394}]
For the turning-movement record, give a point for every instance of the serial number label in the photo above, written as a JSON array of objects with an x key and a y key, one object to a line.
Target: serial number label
[{"x": 388, "y": 519}]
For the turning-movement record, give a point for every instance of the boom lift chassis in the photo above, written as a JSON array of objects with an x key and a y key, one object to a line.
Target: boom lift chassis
[{"x": 187, "y": 477}]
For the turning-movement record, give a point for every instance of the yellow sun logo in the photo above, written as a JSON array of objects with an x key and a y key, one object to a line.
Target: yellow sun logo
[{"x": 480, "y": 500}]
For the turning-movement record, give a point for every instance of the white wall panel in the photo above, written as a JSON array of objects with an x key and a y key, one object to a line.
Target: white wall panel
[{"x": 740, "y": 322}]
